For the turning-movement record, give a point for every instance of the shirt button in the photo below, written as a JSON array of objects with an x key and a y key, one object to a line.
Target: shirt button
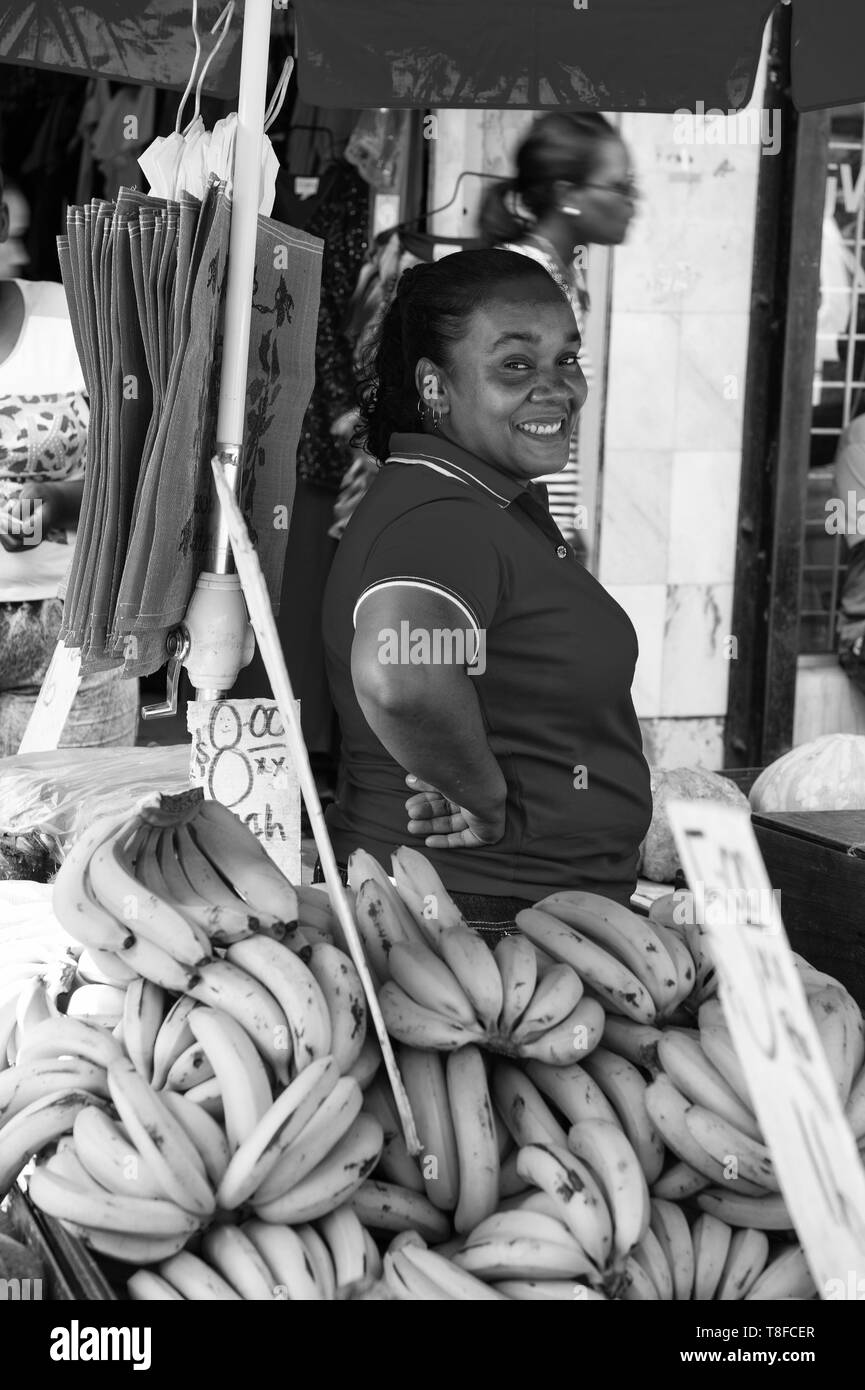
[{"x": 562, "y": 552}]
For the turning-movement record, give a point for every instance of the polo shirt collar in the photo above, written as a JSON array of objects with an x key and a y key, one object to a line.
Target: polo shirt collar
[{"x": 446, "y": 457}]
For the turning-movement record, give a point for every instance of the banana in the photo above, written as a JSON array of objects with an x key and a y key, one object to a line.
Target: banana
[
  {"x": 107, "y": 1211},
  {"x": 725, "y": 1143},
  {"x": 767, "y": 1213},
  {"x": 613, "y": 1160},
  {"x": 455, "y": 1282},
  {"x": 407, "y": 1283},
  {"x": 224, "y": 985},
  {"x": 426, "y": 979},
  {"x": 625, "y": 934},
  {"x": 320, "y": 1259},
  {"x": 246, "y": 1093},
  {"x": 296, "y": 991},
  {"x": 572, "y": 1091},
  {"x": 229, "y": 1251},
  {"x": 33, "y": 1007},
  {"x": 334, "y": 1180},
  {"x": 746, "y": 1260},
  {"x": 195, "y": 1280},
  {"x": 97, "y": 967},
  {"x": 523, "y": 1109},
  {"x": 283, "y": 1122},
  {"x": 854, "y": 1110},
  {"x": 235, "y": 853},
  {"x": 162, "y": 1142},
  {"x": 561, "y": 1290},
  {"x": 205, "y": 898},
  {"x": 711, "y": 1241},
  {"x": 378, "y": 926},
  {"x": 670, "y": 1226},
  {"x": 374, "y": 1265},
  {"x": 683, "y": 963},
  {"x": 192, "y": 1067},
  {"x": 21, "y": 1085},
  {"x": 206, "y": 1134},
  {"x": 787, "y": 1276},
  {"x": 528, "y": 1221},
  {"x": 518, "y": 967},
  {"x": 717, "y": 1044},
  {"x": 679, "y": 1181},
  {"x": 568, "y": 1180},
  {"x": 346, "y": 1241},
  {"x": 69, "y": 1037},
  {"x": 619, "y": 988},
  {"x": 341, "y": 986},
  {"x": 477, "y": 1146},
  {"x": 416, "y": 1026},
  {"x": 625, "y": 1087},
  {"x": 148, "y": 872},
  {"x": 424, "y": 894},
  {"x": 474, "y": 966},
  {"x": 146, "y": 1287},
  {"x": 9, "y": 1029},
  {"x": 423, "y": 1075},
  {"x": 521, "y": 1257},
  {"x": 143, "y": 1009},
  {"x": 637, "y": 1286},
  {"x": 173, "y": 1038},
  {"x": 368, "y": 1062},
  {"x": 310, "y": 1146},
  {"x": 363, "y": 868},
  {"x": 127, "y": 1247},
  {"x": 158, "y": 966},
  {"x": 577, "y": 1035},
  {"x": 667, "y": 1109},
  {"x": 556, "y": 995},
  {"x": 146, "y": 915},
  {"x": 842, "y": 1032},
  {"x": 385, "y": 1206},
  {"x": 649, "y": 1255},
  {"x": 100, "y": 1004},
  {"x": 109, "y": 1159},
  {"x": 534, "y": 1200},
  {"x": 396, "y": 1164},
  {"x": 207, "y": 1096},
  {"x": 74, "y": 904},
  {"x": 700, "y": 948},
  {"x": 682, "y": 1057},
  {"x": 66, "y": 1162},
  {"x": 286, "y": 1256}
]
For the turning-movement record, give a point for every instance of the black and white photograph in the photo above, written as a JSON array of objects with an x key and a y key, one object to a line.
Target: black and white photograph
[{"x": 432, "y": 667}]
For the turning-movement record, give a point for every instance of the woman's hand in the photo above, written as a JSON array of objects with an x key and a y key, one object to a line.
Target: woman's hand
[
  {"x": 453, "y": 826},
  {"x": 27, "y": 518}
]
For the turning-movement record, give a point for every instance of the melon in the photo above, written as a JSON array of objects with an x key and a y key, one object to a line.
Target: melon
[
  {"x": 659, "y": 858},
  {"x": 827, "y": 774}
]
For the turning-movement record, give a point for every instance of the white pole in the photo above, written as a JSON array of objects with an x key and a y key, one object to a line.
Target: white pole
[{"x": 241, "y": 255}]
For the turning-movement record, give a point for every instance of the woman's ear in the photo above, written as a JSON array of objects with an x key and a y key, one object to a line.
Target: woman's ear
[
  {"x": 568, "y": 197},
  {"x": 428, "y": 380},
  {"x": 4, "y": 220}
]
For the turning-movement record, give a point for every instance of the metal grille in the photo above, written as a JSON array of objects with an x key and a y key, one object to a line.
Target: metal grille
[{"x": 839, "y": 371}]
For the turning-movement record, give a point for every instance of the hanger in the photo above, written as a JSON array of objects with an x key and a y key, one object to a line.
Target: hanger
[
  {"x": 279, "y": 94},
  {"x": 224, "y": 20},
  {"x": 422, "y": 217}
]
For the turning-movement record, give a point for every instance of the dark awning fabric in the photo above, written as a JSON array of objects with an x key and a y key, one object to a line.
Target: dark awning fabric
[
  {"x": 137, "y": 41},
  {"x": 608, "y": 55}
]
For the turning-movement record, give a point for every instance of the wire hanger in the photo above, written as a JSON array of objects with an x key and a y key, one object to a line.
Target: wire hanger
[
  {"x": 224, "y": 20},
  {"x": 316, "y": 130},
  {"x": 424, "y": 216},
  {"x": 279, "y": 94}
]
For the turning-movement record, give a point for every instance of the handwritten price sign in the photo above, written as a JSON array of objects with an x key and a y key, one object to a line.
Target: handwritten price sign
[
  {"x": 240, "y": 757},
  {"x": 813, "y": 1149}
]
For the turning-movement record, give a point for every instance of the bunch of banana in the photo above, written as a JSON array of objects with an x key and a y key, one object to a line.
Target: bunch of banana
[
  {"x": 415, "y": 1273},
  {"x": 637, "y": 968},
  {"x": 39, "y": 969},
  {"x": 711, "y": 1260}
]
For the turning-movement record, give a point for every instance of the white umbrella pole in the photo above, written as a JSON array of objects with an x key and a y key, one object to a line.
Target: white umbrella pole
[{"x": 241, "y": 258}]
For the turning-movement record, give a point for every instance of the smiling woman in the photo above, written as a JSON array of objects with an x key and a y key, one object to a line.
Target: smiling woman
[{"x": 472, "y": 395}]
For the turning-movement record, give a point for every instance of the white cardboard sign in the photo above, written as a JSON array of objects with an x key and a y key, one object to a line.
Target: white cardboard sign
[
  {"x": 240, "y": 757},
  {"x": 813, "y": 1149},
  {"x": 54, "y": 701}
]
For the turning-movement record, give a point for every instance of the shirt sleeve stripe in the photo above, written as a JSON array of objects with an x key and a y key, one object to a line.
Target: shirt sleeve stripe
[{"x": 406, "y": 582}]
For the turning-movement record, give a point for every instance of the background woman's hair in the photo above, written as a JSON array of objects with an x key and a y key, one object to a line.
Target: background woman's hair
[
  {"x": 560, "y": 145},
  {"x": 429, "y": 314}
]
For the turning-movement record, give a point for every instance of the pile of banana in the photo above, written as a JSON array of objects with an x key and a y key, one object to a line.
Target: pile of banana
[{"x": 38, "y": 971}]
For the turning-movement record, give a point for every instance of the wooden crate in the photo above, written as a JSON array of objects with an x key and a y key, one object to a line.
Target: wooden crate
[{"x": 816, "y": 859}]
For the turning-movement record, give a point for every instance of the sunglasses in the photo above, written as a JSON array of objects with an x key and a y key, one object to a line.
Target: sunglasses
[{"x": 628, "y": 188}]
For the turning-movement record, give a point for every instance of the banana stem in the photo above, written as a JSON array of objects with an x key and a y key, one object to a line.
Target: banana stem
[{"x": 261, "y": 618}]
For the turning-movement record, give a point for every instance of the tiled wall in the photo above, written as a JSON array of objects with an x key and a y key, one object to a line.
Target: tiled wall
[{"x": 670, "y": 481}]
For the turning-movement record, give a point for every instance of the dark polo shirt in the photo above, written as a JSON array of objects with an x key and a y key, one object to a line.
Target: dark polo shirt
[{"x": 555, "y": 691}]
